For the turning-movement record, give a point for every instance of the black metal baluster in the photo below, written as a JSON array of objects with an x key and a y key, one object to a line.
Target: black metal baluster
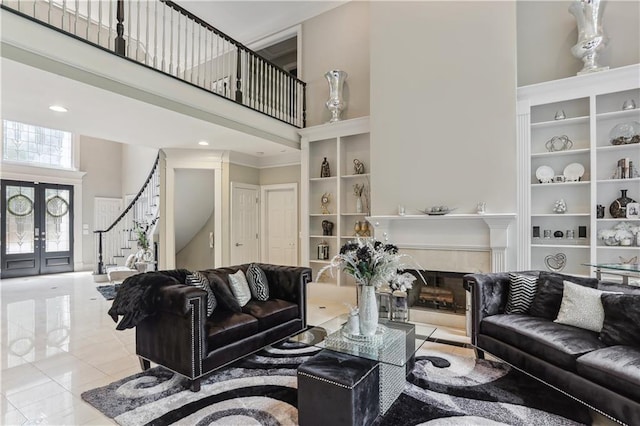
[
  {"x": 120, "y": 42},
  {"x": 238, "y": 75}
]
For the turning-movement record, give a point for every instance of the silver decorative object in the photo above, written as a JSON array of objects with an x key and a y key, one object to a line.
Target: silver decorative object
[
  {"x": 556, "y": 262},
  {"x": 560, "y": 115},
  {"x": 629, "y": 104},
  {"x": 335, "y": 104},
  {"x": 591, "y": 38}
]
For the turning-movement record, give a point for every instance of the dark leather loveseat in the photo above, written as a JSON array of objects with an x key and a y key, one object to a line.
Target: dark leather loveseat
[
  {"x": 573, "y": 360},
  {"x": 180, "y": 337}
]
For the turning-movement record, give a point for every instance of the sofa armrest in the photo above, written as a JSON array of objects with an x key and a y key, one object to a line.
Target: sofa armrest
[
  {"x": 488, "y": 297},
  {"x": 289, "y": 283},
  {"x": 176, "y": 299},
  {"x": 175, "y": 335}
]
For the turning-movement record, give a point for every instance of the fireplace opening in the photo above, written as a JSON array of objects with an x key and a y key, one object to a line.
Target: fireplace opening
[{"x": 442, "y": 291}]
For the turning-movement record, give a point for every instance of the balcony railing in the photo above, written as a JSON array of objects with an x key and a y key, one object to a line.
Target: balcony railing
[{"x": 164, "y": 36}]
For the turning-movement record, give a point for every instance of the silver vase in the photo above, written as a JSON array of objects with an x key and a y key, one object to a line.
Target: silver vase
[
  {"x": 335, "y": 104},
  {"x": 368, "y": 310},
  {"x": 591, "y": 38}
]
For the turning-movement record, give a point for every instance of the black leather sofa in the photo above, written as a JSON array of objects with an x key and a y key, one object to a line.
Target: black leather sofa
[
  {"x": 180, "y": 337},
  {"x": 571, "y": 359}
]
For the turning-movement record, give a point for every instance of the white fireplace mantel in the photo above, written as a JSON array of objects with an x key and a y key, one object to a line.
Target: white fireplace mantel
[{"x": 470, "y": 232}]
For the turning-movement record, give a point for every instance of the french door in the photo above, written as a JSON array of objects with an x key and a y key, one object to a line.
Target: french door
[{"x": 37, "y": 229}]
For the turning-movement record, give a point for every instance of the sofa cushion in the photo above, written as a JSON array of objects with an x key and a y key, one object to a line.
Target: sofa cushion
[
  {"x": 557, "y": 344},
  {"x": 226, "y": 327},
  {"x": 621, "y": 319},
  {"x": 222, "y": 291},
  {"x": 258, "y": 282},
  {"x": 271, "y": 313},
  {"x": 616, "y": 368},
  {"x": 197, "y": 279},
  {"x": 240, "y": 287},
  {"x": 546, "y": 303},
  {"x": 581, "y": 307},
  {"x": 522, "y": 290}
]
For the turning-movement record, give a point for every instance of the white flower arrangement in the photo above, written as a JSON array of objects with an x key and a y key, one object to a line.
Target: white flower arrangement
[
  {"x": 371, "y": 262},
  {"x": 621, "y": 231}
]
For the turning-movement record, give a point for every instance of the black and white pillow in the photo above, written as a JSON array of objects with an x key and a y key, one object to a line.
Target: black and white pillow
[
  {"x": 258, "y": 283},
  {"x": 196, "y": 279},
  {"x": 522, "y": 290}
]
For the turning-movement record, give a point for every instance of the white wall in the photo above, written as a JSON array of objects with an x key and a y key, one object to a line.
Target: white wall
[
  {"x": 337, "y": 39},
  {"x": 547, "y": 31},
  {"x": 137, "y": 162},
  {"x": 443, "y": 105},
  {"x": 102, "y": 160}
]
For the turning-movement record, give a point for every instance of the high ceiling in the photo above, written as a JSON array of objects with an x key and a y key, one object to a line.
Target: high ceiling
[{"x": 27, "y": 92}]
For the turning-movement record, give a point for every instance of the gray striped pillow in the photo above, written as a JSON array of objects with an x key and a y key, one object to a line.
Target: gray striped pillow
[
  {"x": 258, "y": 282},
  {"x": 198, "y": 280},
  {"x": 522, "y": 290}
]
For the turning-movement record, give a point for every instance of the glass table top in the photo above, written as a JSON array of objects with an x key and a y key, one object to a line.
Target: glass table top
[
  {"x": 627, "y": 267},
  {"x": 395, "y": 342}
]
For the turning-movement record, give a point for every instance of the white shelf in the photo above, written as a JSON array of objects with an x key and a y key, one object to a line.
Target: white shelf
[
  {"x": 630, "y": 180},
  {"x": 365, "y": 175},
  {"x": 561, "y": 153},
  {"x": 561, "y": 215},
  {"x": 596, "y": 99},
  {"x": 318, "y": 179},
  {"x": 613, "y": 148},
  {"x": 341, "y": 143},
  {"x": 556, "y": 184},
  {"x": 581, "y": 246},
  {"x": 619, "y": 247},
  {"x": 560, "y": 123},
  {"x": 619, "y": 114}
]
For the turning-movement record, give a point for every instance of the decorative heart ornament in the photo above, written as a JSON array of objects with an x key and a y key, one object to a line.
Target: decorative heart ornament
[{"x": 556, "y": 262}]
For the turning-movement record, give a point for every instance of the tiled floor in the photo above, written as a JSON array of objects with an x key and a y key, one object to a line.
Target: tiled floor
[{"x": 58, "y": 341}]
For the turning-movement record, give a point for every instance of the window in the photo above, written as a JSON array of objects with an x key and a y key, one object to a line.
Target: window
[{"x": 38, "y": 146}]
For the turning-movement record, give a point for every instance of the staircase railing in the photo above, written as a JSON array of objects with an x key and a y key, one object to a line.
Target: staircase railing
[
  {"x": 166, "y": 37},
  {"x": 141, "y": 213}
]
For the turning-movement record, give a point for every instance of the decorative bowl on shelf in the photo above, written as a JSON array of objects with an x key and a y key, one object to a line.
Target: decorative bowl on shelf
[
  {"x": 438, "y": 210},
  {"x": 625, "y": 133}
]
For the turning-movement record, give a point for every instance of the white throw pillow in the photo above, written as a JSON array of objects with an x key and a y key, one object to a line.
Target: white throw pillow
[
  {"x": 240, "y": 287},
  {"x": 581, "y": 307}
]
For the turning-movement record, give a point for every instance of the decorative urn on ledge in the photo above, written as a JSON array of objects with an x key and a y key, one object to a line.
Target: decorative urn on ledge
[{"x": 335, "y": 104}]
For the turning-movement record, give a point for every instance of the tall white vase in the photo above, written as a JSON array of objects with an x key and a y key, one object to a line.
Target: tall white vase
[{"x": 368, "y": 311}]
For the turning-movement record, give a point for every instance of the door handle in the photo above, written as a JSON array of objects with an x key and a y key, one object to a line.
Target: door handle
[{"x": 238, "y": 244}]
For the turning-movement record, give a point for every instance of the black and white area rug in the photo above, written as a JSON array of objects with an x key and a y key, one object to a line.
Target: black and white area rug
[
  {"x": 443, "y": 389},
  {"x": 108, "y": 291}
]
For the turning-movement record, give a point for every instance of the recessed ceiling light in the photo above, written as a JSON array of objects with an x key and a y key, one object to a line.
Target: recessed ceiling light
[
  {"x": 58, "y": 108},
  {"x": 203, "y": 143}
]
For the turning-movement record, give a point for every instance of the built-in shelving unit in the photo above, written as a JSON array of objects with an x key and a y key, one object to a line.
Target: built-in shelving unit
[
  {"x": 340, "y": 143},
  {"x": 592, "y": 105}
]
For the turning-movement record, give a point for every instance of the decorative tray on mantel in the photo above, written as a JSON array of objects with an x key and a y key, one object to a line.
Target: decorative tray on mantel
[{"x": 438, "y": 211}]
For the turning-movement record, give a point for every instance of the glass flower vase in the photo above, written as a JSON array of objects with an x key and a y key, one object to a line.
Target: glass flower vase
[{"x": 368, "y": 310}]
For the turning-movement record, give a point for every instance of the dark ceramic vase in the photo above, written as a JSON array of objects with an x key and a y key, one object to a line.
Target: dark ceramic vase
[{"x": 618, "y": 208}]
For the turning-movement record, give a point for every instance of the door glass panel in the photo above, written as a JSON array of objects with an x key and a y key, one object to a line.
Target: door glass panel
[
  {"x": 20, "y": 219},
  {"x": 57, "y": 220}
]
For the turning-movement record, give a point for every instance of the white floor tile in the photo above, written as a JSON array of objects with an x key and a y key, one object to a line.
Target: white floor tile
[{"x": 35, "y": 394}]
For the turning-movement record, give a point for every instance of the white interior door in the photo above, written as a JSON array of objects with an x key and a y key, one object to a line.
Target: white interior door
[
  {"x": 244, "y": 223},
  {"x": 280, "y": 224}
]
